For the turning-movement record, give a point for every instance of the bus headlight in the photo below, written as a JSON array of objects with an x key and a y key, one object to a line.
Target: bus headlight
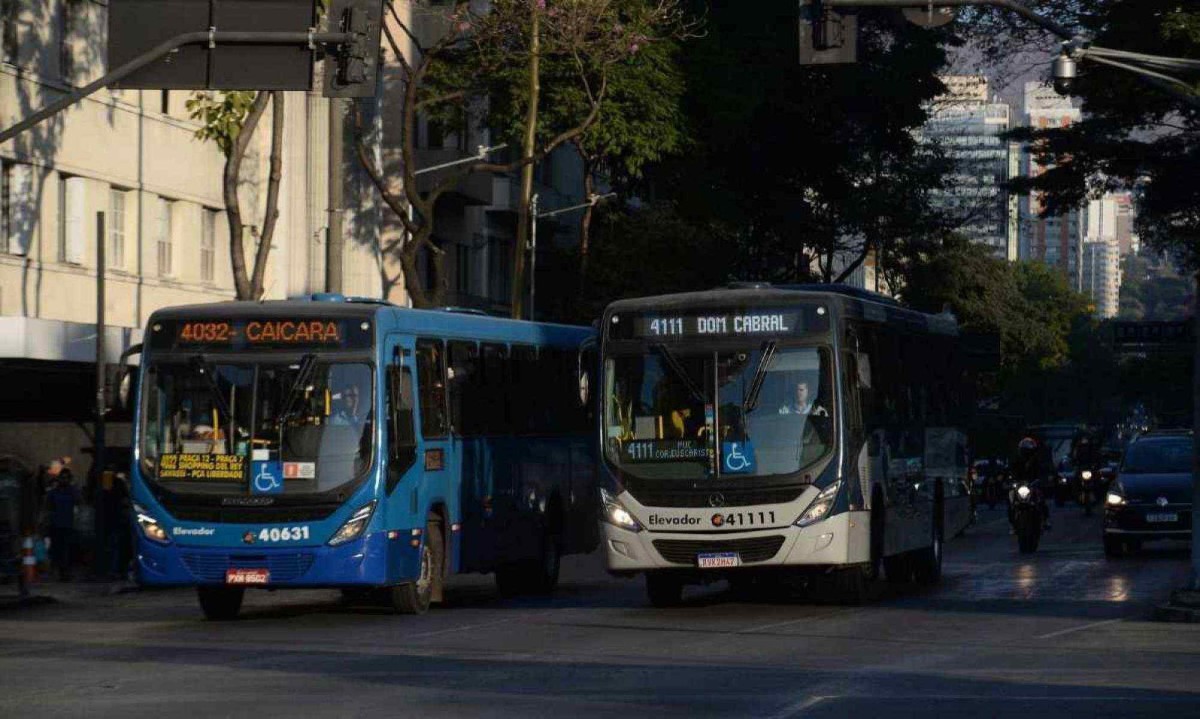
[
  {"x": 820, "y": 506},
  {"x": 1113, "y": 499},
  {"x": 355, "y": 525},
  {"x": 150, "y": 527},
  {"x": 615, "y": 514}
]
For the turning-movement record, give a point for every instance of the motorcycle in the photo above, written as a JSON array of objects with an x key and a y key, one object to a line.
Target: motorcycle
[
  {"x": 1089, "y": 489},
  {"x": 1064, "y": 484},
  {"x": 1026, "y": 515}
]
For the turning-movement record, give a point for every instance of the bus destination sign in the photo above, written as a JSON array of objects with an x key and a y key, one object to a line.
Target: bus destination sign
[
  {"x": 278, "y": 333},
  {"x": 720, "y": 324}
]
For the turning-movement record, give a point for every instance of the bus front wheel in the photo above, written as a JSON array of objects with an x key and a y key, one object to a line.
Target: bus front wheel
[
  {"x": 220, "y": 603},
  {"x": 415, "y": 597}
]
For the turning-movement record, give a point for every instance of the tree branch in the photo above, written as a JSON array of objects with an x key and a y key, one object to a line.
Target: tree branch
[
  {"x": 233, "y": 207},
  {"x": 272, "y": 211}
]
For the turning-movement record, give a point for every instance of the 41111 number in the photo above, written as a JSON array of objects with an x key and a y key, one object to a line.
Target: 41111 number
[{"x": 743, "y": 519}]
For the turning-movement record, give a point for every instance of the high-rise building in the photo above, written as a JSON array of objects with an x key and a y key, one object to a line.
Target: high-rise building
[
  {"x": 1101, "y": 276},
  {"x": 969, "y": 129},
  {"x": 1053, "y": 239}
]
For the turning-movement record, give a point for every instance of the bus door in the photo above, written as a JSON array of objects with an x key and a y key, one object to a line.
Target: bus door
[
  {"x": 401, "y": 442},
  {"x": 439, "y": 459}
]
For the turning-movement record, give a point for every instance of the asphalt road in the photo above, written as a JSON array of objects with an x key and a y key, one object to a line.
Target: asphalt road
[{"x": 1064, "y": 633}]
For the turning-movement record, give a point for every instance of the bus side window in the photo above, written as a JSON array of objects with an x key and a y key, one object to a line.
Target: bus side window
[
  {"x": 402, "y": 438},
  {"x": 431, "y": 376},
  {"x": 493, "y": 387},
  {"x": 465, "y": 407},
  {"x": 524, "y": 393}
]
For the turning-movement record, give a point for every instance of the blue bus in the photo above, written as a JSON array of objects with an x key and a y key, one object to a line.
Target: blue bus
[{"x": 335, "y": 442}]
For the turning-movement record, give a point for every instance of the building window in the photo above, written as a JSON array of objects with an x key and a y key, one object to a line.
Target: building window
[
  {"x": 162, "y": 233},
  {"x": 164, "y": 102},
  {"x": 116, "y": 229},
  {"x": 8, "y": 31},
  {"x": 208, "y": 244},
  {"x": 72, "y": 223},
  {"x": 462, "y": 258}
]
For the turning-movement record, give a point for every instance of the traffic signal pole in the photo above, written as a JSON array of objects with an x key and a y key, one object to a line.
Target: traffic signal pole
[{"x": 210, "y": 37}]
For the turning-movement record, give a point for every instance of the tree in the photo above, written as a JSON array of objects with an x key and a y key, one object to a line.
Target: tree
[
  {"x": 492, "y": 59},
  {"x": 808, "y": 171},
  {"x": 229, "y": 119}
]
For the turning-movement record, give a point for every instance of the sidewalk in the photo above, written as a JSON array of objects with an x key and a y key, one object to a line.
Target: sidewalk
[{"x": 53, "y": 592}]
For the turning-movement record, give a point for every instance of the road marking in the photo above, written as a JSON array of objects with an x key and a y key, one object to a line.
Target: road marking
[
  {"x": 468, "y": 627},
  {"x": 1080, "y": 628},
  {"x": 810, "y": 618},
  {"x": 792, "y": 710}
]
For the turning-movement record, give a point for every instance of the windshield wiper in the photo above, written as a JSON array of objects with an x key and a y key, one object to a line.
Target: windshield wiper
[
  {"x": 205, "y": 369},
  {"x": 673, "y": 362},
  {"x": 308, "y": 366},
  {"x": 760, "y": 376}
]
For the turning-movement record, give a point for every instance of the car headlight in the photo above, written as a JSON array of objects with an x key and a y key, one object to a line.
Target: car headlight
[
  {"x": 820, "y": 506},
  {"x": 151, "y": 529},
  {"x": 1023, "y": 492},
  {"x": 354, "y": 526},
  {"x": 1086, "y": 474},
  {"x": 615, "y": 514},
  {"x": 1113, "y": 499}
]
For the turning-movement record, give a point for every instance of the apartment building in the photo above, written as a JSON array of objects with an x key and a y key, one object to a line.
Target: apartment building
[
  {"x": 132, "y": 156},
  {"x": 1053, "y": 239}
]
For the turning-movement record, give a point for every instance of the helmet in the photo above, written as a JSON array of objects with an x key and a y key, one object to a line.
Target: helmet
[{"x": 1026, "y": 448}]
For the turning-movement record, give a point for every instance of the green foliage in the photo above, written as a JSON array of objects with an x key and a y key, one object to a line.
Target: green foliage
[
  {"x": 1134, "y": 135},
  {"x": 1027, "y": 304},
  {"x": 221, "y": 116},
  {"x": 649, "y": 251},
  {"x": 1152, "y": 290}
]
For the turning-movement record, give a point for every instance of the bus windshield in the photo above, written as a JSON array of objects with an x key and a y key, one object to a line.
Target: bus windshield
[
  {"x": 203, "y": 422},
  {"x": 674, "y": 414}
]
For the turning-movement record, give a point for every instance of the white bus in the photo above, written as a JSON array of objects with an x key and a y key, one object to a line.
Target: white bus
[{"x": 794, "y": 430}]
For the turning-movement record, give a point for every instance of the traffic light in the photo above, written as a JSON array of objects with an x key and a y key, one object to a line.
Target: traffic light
[
  {"x": 828, "y": 36},
  {"x": 351, "y": 69}
]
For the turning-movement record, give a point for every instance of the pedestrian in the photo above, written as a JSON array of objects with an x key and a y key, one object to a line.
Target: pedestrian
[{"x": 61, "y": 501}]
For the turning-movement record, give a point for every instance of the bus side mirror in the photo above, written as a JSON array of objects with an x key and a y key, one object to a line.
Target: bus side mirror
[{"x": 121, "y": 400}]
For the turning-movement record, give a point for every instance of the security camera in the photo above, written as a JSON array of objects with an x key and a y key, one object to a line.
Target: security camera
[{"x": 1064, "y": 71}]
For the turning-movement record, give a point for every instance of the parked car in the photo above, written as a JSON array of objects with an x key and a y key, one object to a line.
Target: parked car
[{"x": 1151, "y": 497}]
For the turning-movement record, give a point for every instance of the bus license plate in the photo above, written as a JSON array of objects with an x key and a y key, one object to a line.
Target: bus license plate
[
  {"x": 719, "y": 560},
  {"x": 247, "y": 576},
  {"x": 1163, "y": 517}
]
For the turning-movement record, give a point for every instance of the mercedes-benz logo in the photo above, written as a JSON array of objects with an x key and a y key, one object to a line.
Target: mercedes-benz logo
[
  {"x": 1162, "y": 501},
  {"x": 716, "y": 499},
  {"x": 248, "y": 537}
]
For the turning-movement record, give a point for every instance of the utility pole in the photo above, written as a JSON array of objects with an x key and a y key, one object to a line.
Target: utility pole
[
  {"x": 335, "y": 241},
  {"x": 534, "y": 216},
  {"x": 98, "y": 459}
]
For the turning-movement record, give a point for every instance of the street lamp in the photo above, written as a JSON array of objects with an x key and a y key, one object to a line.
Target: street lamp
[{"x": 534, "y": 215}]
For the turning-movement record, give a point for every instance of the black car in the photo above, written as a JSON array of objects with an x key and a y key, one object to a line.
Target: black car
[{"x": 1151, "y": 497}]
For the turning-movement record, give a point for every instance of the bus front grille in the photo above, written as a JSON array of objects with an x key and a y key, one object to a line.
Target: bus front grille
[
  {"x": 730, "y": 497},
  {"x": 684, "y": 551},
  {"x": 283, "y": 567}
]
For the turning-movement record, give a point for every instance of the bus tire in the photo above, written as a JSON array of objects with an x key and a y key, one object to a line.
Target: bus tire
[
  {"x": 850, "y": 585},
  {"x": 664, "y": 590},
  {"x": 898, "y": 569},
  {"x": 415, "y": 597},
  {"x": 543, "y": 572},
  {"x": 220, "y": 603},
  {"x": 928, "y": 565}
]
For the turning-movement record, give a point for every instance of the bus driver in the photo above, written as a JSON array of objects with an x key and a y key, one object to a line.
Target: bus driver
[{"x": 803, "y": 403}]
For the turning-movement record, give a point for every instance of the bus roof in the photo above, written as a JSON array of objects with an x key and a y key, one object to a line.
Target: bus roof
[
  {"x": 390, "y": 318},
  {"x": 850, "y": 302}
]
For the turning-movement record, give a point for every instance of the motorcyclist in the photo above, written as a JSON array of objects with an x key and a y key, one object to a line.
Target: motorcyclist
[{"x": 1028, "y": 468}]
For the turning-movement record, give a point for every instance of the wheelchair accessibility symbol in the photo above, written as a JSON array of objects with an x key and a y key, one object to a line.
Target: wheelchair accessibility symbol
[
  {"x": 737, "y": 457},
  {"x": 267, "y": 477}
]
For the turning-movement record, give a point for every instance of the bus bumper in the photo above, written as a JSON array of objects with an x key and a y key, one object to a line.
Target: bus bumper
[
  {"x": 374, "y": 560},
  {"x": 838, "y": 540}
]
